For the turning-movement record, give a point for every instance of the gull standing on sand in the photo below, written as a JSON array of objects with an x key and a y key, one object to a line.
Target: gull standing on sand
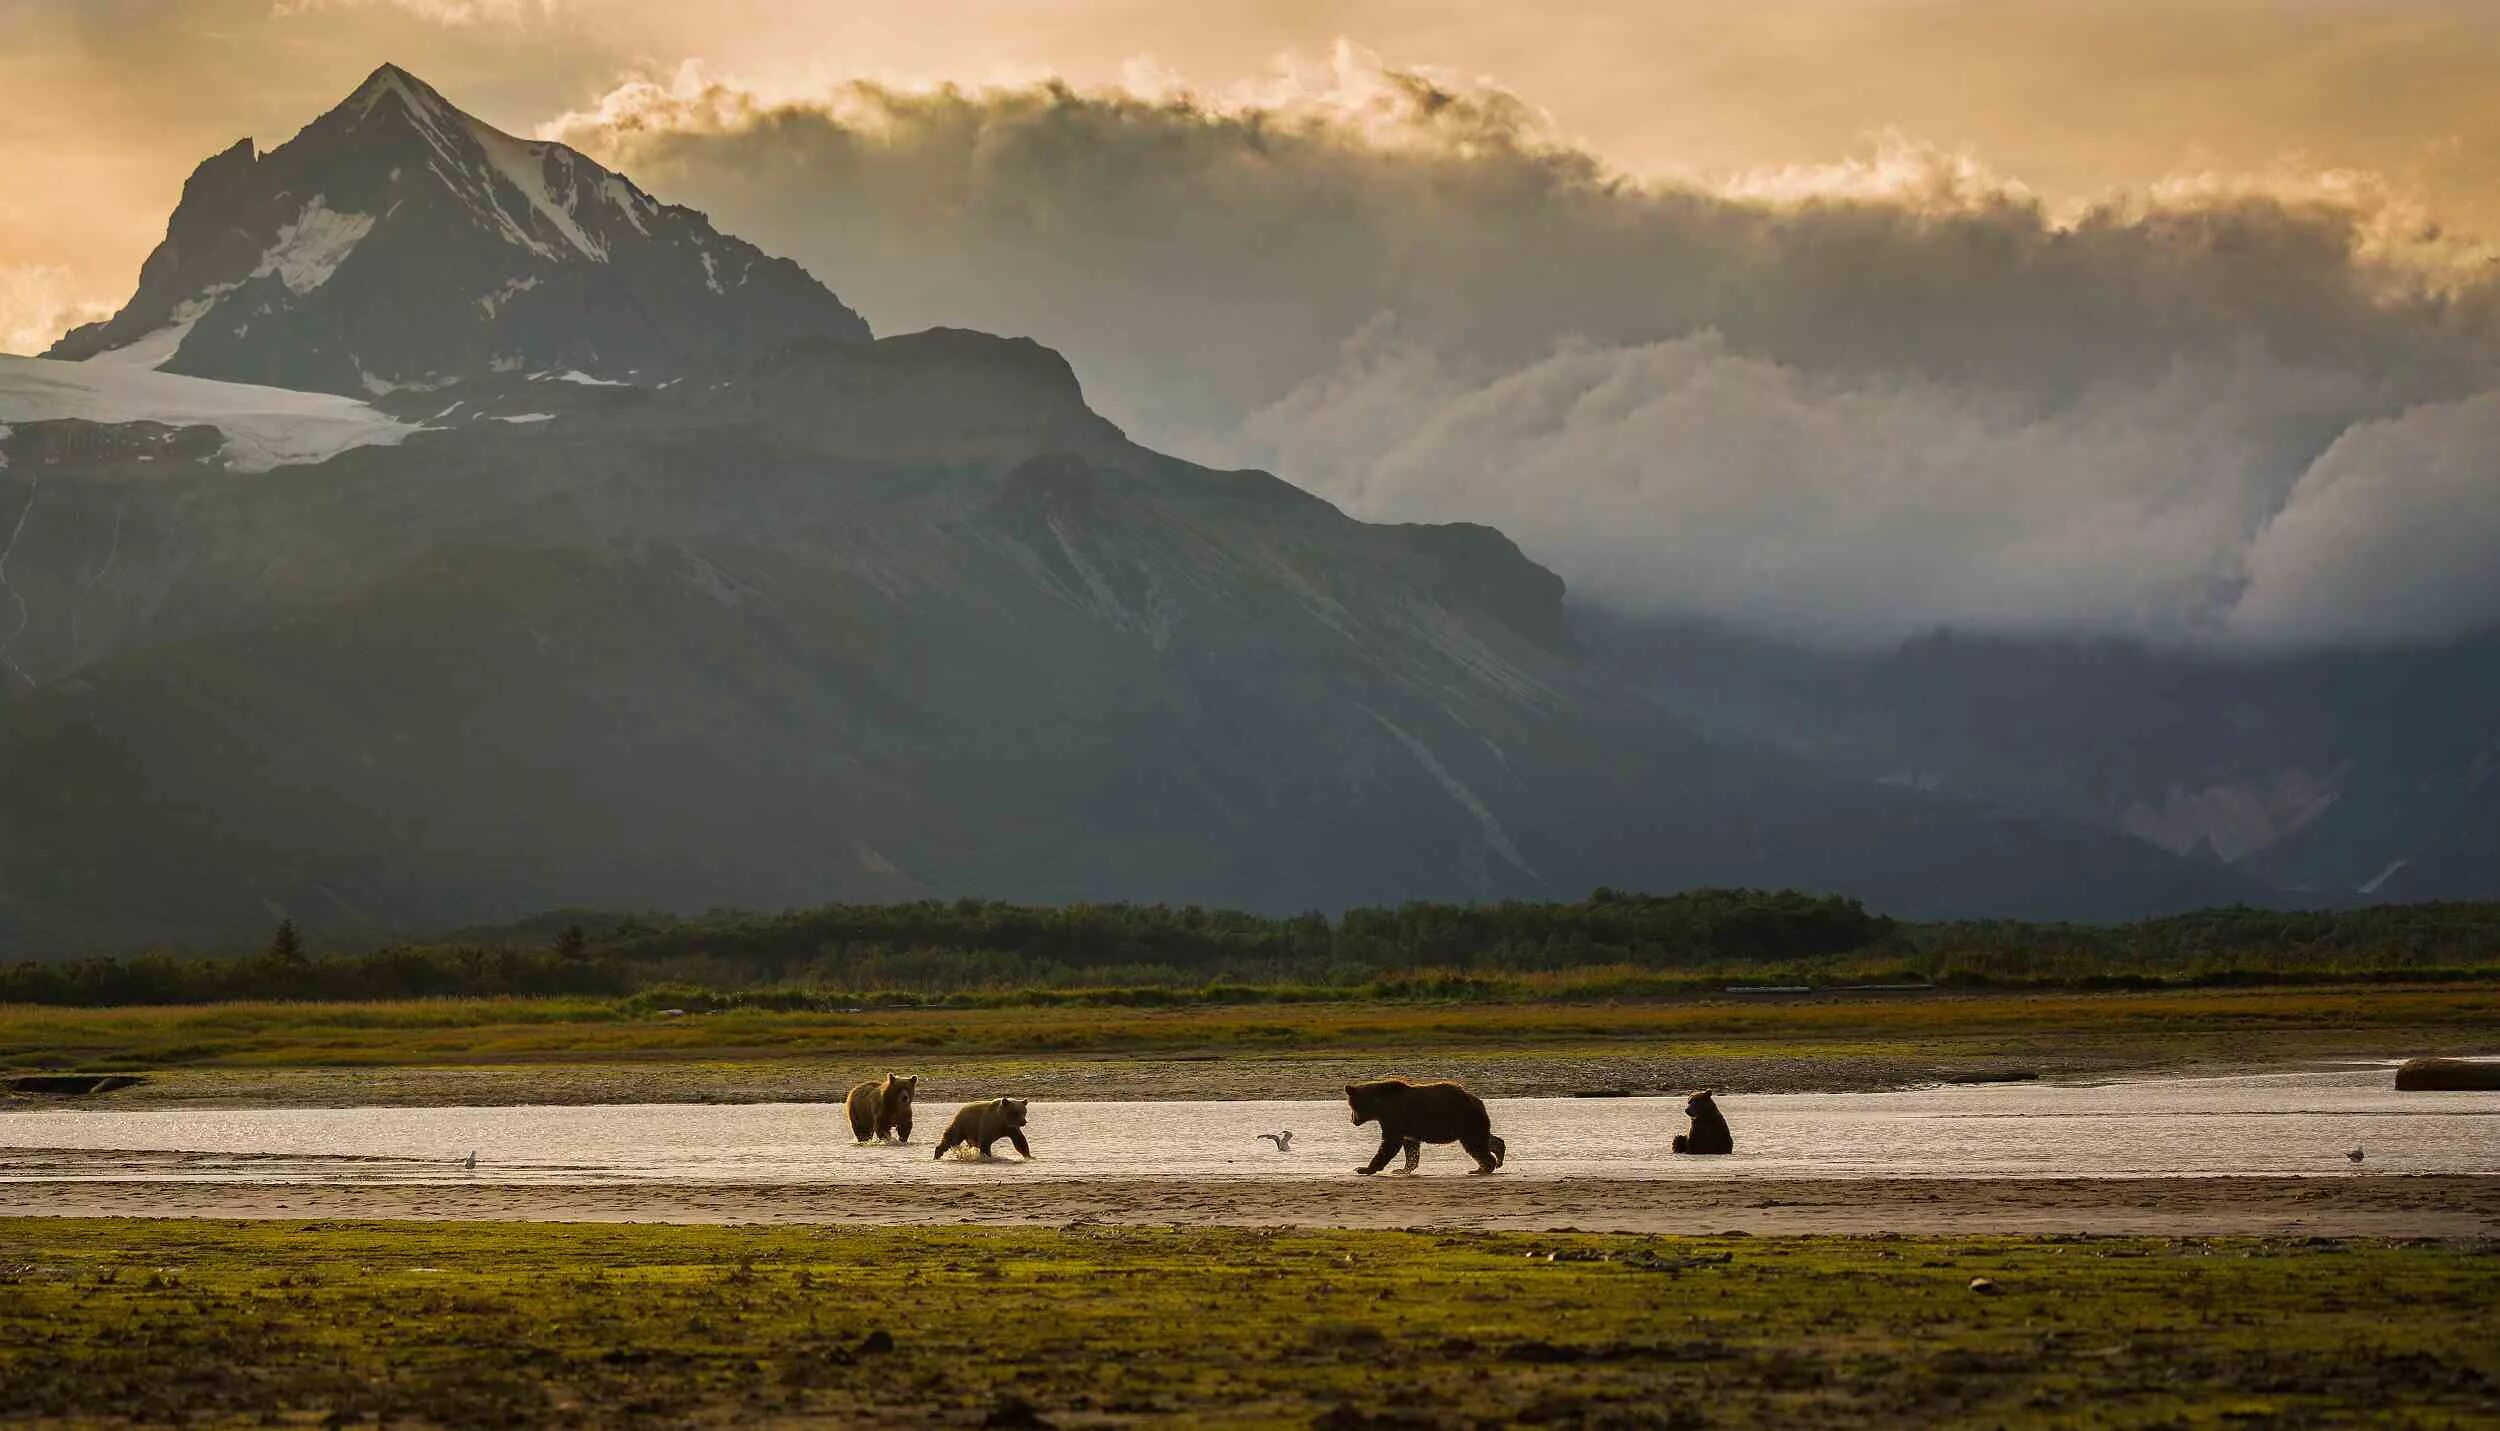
[
  {"x": 470, "y": 1162},
  {"x": 2355, "y": 1155},
  {"x": 1283, "y": 1141}
]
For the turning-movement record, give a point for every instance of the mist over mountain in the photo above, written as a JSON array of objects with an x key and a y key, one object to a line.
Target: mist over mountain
[
  {"x": 2170, "y": 514},
  {"x": 1845, "y": 406},
  {"x": 628, "y": 616},
  {"x": 2348, "y": 775}
]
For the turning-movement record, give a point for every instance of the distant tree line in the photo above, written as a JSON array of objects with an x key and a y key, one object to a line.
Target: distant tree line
[{"x": 964, "y": 946}]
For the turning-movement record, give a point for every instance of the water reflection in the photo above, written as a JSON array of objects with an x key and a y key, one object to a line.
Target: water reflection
[{"x": 2291, "y": 1123}]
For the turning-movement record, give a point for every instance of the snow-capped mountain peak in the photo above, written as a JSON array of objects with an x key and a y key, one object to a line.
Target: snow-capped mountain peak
[
  {"x": 389, "y": 82},
  {"x": 529, "y": 191},
  {"x": 400, "y": 242}
]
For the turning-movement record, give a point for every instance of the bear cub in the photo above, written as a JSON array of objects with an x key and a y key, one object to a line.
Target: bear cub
[
  {"x": 1710, "y": 1133},
  {"x": 981, "y": 1124}
]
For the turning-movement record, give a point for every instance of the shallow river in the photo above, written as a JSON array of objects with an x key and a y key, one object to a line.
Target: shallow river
[{"x": 2282, "y": 1123}]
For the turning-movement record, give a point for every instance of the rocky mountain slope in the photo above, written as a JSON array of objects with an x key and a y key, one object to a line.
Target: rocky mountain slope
[
  {"x": 643, "y": 587},
  {"x": 399, "y": 243}
]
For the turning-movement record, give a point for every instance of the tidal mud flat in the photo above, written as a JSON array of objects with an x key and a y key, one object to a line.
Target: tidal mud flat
[
  {"x": 1495, "y": 1073},
  {"x": 2318, "y": 1152},
  {"x": 1211, "y": 1077},
  {"x": 2461, "y": 1208}
]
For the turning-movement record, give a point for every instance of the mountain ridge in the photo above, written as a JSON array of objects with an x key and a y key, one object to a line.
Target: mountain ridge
[
  {"x": 804, "y": 615},
  {"x": 288, "y": 268}
]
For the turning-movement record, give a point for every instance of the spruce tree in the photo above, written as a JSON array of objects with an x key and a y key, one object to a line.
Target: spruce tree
[{"x": 287, "y": 945}]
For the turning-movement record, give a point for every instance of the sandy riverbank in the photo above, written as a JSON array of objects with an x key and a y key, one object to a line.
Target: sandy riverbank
[
  {"x": 1493, "y": 1073},
  {"x": 2449, "y": 1207}
]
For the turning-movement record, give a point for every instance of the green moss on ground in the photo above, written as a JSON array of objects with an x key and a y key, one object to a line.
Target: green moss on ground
[{"x": 500, "y": 1324}]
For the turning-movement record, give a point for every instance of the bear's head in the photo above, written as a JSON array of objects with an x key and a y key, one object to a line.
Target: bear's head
[
  {"x": 1366, "y": 1098},
  {"x": 1702, "y": 1105},
  {"x": 898, "y": 1090},
  {"x": 1014, "y": 1109}
]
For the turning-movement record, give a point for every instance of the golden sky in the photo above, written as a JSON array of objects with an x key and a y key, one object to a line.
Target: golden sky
[{"x": 109, "y": 103}]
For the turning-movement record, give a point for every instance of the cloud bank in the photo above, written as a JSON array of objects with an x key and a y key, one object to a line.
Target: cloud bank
[
  {"x": 438, "y": 12},
  {"x": 38, "y": 303},
  {"x": 1847, "y": 404}
]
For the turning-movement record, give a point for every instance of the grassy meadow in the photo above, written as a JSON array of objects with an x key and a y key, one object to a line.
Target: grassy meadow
[
  {"x": 467, "y": 1324},
  {"x": 572, "y": 1050},
  {"x": 454, "y": 1031},
  {"x": 1018, "y": 988}
]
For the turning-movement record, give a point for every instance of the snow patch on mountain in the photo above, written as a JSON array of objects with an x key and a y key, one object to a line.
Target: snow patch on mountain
[
  {"x": 630, "y": 201},
  {"x": 524, "y": 166},
  {"x": 384, "y": 387},
  {"x": 317, "y": 266},
  {"x": 2378, "y": 881},
  {"x": 2235, "y": 819},
  {"x": 310, "y": 249},
  {"x": 501, "y": 296},
  {"x": 521, "y": 164},
  {"x": 1495, "y": 837},
  {"x": 263, "y": 427},
  {"x": 156, "y": 349}
]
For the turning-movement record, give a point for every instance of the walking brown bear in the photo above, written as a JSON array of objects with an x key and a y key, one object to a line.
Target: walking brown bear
[
  {"x": 882, "y": 1107},
  {"x": 981, "y": 1124},
  {"x": 1710, "y": 1132},
  {"x": 1413, "y": 1114}
]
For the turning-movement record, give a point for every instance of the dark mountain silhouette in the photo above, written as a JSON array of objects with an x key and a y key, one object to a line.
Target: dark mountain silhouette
[
  {"x": 399, "y": 243},
  {"x": 2333, "y": 774}
]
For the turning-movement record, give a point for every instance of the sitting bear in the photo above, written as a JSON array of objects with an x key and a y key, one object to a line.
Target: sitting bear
[
  {"x": 1413, "y": 1114},
  {"x": 1710, "y": 1134},
  {"x": 981, "y": 1124},
  {"x": 882, "y": 1107}
]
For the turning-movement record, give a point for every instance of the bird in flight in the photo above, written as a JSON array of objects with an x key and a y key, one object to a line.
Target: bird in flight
[{"x": 1283, "y": 1141}]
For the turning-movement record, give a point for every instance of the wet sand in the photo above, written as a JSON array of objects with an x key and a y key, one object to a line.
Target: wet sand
[
  {"x": 1772, "y": 1067},
  {"x": 2432, "y": 1206},
  {"x": 1494, "y": 1073}
]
